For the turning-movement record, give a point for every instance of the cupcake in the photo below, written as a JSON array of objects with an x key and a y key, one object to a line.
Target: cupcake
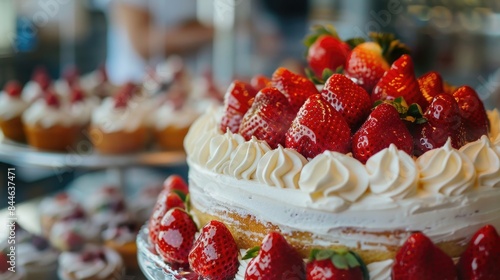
[
  {"x": 107, "y": 208},
  {"x": 38, "y": 258},
  {"x": 35, "y": 88},
  {"x": 142, "y": 204},
  {"x": 58, "y": 208},
  {"x": 9, "y": 272},
  {"x": 96, "y": 83},
  {"x": 11, "y": 108},
  {"x": 72, "y": 235},
  {"x": 118, "y": 125},
  {"x": 49, "y": 126},
  {"x": 69, "y": 79},
  {"x": 92, "y": 263},
  {"x": 121, "y": 238},
  {"x": 82, "y": 106}
]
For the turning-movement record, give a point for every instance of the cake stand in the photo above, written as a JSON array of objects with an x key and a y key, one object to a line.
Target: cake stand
[{"x": 153, "y": 267}]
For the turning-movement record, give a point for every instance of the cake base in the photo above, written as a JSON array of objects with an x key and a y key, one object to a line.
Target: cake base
[
  {"x": 13, "y": 129},
  {"x": 171, "y": 138},
  {"x": 55, "y": 138},
  {"x": 119, "y": 142}
]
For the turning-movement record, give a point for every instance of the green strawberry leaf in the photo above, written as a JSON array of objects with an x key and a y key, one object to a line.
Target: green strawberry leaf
[
  {"x": 327, "y": 72},
  {"x": 353, "y": 42},
  {"x": 311, "y": 76},
  {"x": 180, "y": 194},
  {"x": 324, "y": 255},
  {"x": 251, "y": 253},
  {"x": 187, "y": 203},
  {"x": 339, "y": 261},
  {"x": 392, "y": 48},
  {"x": 352, "y": 261}
]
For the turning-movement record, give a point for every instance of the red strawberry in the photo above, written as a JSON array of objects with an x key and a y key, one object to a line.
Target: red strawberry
[
  {"x": 398, "y": 81},
  {"x": 13, "y": 89},
  {"x": 41, "y": 76},
  {"x": 420, "y": 259},
  {"x": 318, "y": 127},
  {"x": 473, "y": 113},
  {"x": 351, "y": 100},
  {"x": 276, "y": 259},
  {"x": 295, "y": 87},
  {"x": 368, "y": 61},
  {"x": 77, "y": 95},
  {"x": 71, "y": 75},
  {"x": 4, "y": 263},
  {"x": 121, "y": 100},
  {"x": 481, "y": 259},
  {"x": 325, "y": 50},
  {"x": 166, "y": 201},
  {"x": 51, "y": 99},
  {"x": 215, "y": 253},
  {"x": 430, "y": 84},
  {"x": 383, "y": 127},
  {"x": 268, "y": 118},
  {"x": 239, "y": 97},
  {"x": 259, "y": 82},
  {"x": 443, "y": 122},
  {"x": 176, "y": 183},
  {"x": 335, "y": 265},
  {"x": 176, "y": 236}
]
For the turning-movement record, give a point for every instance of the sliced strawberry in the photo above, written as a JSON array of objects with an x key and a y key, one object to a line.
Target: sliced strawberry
[
  {"x": 176, "y": 183},
  {"x": 238, "y": 99},
  {"x": 398, "y": 81},
  {"x": 443, "y": 122},
  {"x": 317, "y": 128},
  {"x": 259, "y": 82},
  {"x": 368, "y": 61},
  {"x": 269, "y": 118},
  {"x": 51, "y": 99},
  {"x": 420, "y": 259},
  {"x": 351, "y": 100},
  {"x": 276, "y": 259},
  {"x": 165, "y": 202},
  {"x": 335, "y": 265},
  {"x": 13, "y": 89},
  {"x": 176, "y": 236},
  {"x": 481, "y": 259},
  {"x": 430, "y": 84},
  {"x": 215, "y": 253},
  {"x": 473, "y": 113},
  {"x": 382, "y": 128},
  {"x": 295, "y": 87}
]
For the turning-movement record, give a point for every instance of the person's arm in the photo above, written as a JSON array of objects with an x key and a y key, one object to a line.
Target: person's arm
[{"x": 147, "y": 40}]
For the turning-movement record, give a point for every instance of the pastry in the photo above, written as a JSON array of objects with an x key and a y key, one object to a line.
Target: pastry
[
  {"x": 58, "y": 208},
  {"x": 39, "y": 83},
  {"x": 11, "y": 108},
  {"x": 107, "y": 207},
  {"x": 121, "y": 238}
]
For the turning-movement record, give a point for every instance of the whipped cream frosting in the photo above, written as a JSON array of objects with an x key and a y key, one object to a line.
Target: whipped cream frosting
[
  {"x": 445, "y": 170},
  {"x": 82, "y": 110},
  {"x": 11, "y": 107},
  {"x": 31, "y": 92},
  {"x": 70, "y": 262},
  {"x": 88, "y": 231},
  {"x": 494, "y": 118},
  {"x": 200, "y": 133},
  {"x": 121, "y": 235},
  {"x": 242, "y": 268},
  {"x": 486, "y": 162},
  {"x": 30, "y": 257},
  {"x": 58, "y": 207},
  {"x": 281, "y": 168},
  {"x": 392, "y": 173},
  {"x": 167, "y": 115},
  {"x": 110, "y": 119},
  {"x": 380, "y": 270},
  {"x": 39, "y": 113},
  {"x": 244, "y": 159},
  {"x": 220, "y": 150}
]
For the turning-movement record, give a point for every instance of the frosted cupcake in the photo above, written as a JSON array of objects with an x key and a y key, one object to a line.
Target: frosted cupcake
[
  {"x": 38, "y": 258},
  {"x": 49, "y": 126},
  {"x": 12, "y": 107},
  {"x": 92, "y": 263},
  {"x": 72, "y": 235},
  {"x": 107, "y": 208},
  {"x": 35, "y": 88},
  {"x": 96, "y": 83},
  {"x": 58, "y": 208},
  {"x": 82, "y": 106},
  {"x": 119, "y": 124},
  {"x": 121, "y": 238}
]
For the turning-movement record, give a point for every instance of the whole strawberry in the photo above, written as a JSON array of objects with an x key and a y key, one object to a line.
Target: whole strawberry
[
  {"x": 430, "y": 84},
  {"x": 269, "y": 118},
  {"x": 399, "y": 81},
  {"x": 295, "y": 87},
  {"x": 351, "y": 100},
  {"x": 420, "y": 259},
  {"x": 317, "y": 128},
  {"x": 176, "y": 184},
  {"x": 325, "y": 51},
  {"x": 473, "y": 113},
  {"x": 443, "y": 122},
  {"x": 481, "y": 259},
  {"x": 382, "y": 128},
  {"x": 13, "y": 89},
  {"x": 166, "y": 201},
  {"x": 275, "y": 259},
  {"x": 175, "y": 236},
  {"x": 368, "y": 61},
  {"x": 335, "y": 265},
  {"x": 238, "y": 99},
  {"x": 215, "y": 253},
  {"x": 259, "y": 82}
]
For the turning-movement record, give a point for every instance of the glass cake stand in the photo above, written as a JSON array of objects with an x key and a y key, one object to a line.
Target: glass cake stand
[{"x": 153, "y": 267}]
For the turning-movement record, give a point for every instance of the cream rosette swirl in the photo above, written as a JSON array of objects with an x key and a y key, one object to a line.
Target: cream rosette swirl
[
  {"x": 220, "y": 149},
  {"x": 331, "y": 178},
  {"x": 486, "y": 161},
  {"x": 446, "y": 171},
  {"x": 244, "y": 159},
  {"x": 107, "y": 266},
  {"x": 197, "y": 147},
  {"x": 392, "y": 173},
  {"x": 281, "y": 168},
  {"x": 494, "y": 118}
]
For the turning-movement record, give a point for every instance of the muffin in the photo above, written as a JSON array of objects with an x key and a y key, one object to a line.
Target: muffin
[
  {"x": 92, "y": 263},
  {"x": 35, "y": 88},
  {"x": 49, "y": 126},
  {"x": 121, "y": 238},
  {"x": 118, "y": 125},
  {"x": 12, "y": 107},
  {"x": 58, "y": 208},
  {"x": 38, "y": 258}
]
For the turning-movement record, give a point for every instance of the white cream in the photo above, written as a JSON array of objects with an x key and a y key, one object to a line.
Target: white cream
[
  {"x": 11, "y": 107},
  {"x": 70, "y": 262},
  {"x": 244, "y": 159},
  {"x": 220, "y": 150},
  {"x": 88, "y": 231},
  {"x": 110, "y": 119},
  {"x": 486, "y": 162},
  {"x": 39, "y": 113},
  {"x": 200, "y": 133},
  {"x": 31, "y": 92},
  {"x": 242, "y": 268},
  {"x": 446, "y": 171},
  {"x": 380, "y": 270},
  {"x": 58, "y": 207},
  {"x": 31, "y": 258},
  {"x": 82, "y": 110},
  {"x": 166, "y": 115},
  {"x": 280, "y": 168},
  {"x": 392, "y": 173}
]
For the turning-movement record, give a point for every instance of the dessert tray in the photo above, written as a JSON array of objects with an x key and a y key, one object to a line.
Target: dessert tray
[{"x": 153, "y": 267}]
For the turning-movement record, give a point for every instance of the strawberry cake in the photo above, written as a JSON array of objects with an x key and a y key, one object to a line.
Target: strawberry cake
[{"x": 375, "y": 173}]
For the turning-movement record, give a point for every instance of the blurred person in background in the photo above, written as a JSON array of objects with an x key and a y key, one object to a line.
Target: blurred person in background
[{"x": 144, "y": 32}]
